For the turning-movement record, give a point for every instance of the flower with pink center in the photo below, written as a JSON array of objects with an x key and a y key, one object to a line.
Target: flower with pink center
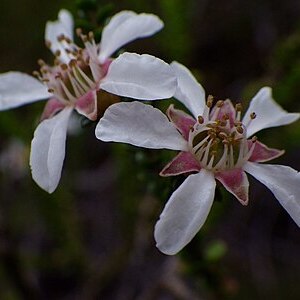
[
  {"x": 77, "y": 76},
  {"x": 216, "y": 143}
]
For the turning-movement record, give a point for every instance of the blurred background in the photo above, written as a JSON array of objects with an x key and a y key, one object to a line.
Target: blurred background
[{"x": 93, "y": 237}]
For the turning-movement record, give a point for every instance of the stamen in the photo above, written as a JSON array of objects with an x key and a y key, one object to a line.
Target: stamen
[
  {"x": 222, "y": 162},
  {"x": 238, "y": 108},
  {"x": 206, "y": 153},
  {"x": 210, "y": 100}
]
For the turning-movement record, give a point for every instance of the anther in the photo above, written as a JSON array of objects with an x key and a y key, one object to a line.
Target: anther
[
  {"x": 36, "y": 74},
  {"x": 78, "y": 32},
  {"x": 91, "y": 35},
  {"x": 84, "y": 38},
  {"x": 220, "y": 103},
  {"x": 212, "y": 134},
  {"x": 64, "y": 67},
  {"x": 57, "y": 53},
  {"x": 240, "y": 129},
  {"x": 225, "y": 117},
  {"x": 222, "y": 135},
  {"x": 254, "y": 139},
  {"x": 253, "y": 115},
  {"x": 72, "y": 63},
  {"x": 210, "y": 100},
  {"x": 238, "y": 123},
  {"x": 41, "y": 62},
  {"x": 238, "y": 107},
  {"x": 48, "y": 44},
  {"x": 51, "y": 91},
  {"x": 200, "y": 120}
]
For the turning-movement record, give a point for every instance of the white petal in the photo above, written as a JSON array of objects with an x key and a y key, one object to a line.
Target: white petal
[
  {"x": 125, "y": 27},
  {"x": 48, "y": 150},
  {"x": 283, "y": 182},
  {"x": 189, "y": 91},
  {"x": 268, "y": 113},
  {"x": 142, "y": 77},
  {"x": 64, "y": 25},
  {"x": 185, "y": 212},
  {"x": 17, "y": 89},
  {"x": 139, "y": 124}
]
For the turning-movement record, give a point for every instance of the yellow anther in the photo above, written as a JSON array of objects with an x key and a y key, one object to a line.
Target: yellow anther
[
  {"x": 222, "y": 135},
  {"x": 36, "y": 74},
  {"x": 220, "y": 103},
  {"x": 84, "y": 38},
  {"x": 64, "y": 67},
  {"x": 78, "y": 31},
  {"x": 240, "y": 129},
  {"x": 41, "y": 62},
  {"x": 73, "y": 63},
  {"x": 91, "y": 35},
  {"x": 238, "y": 107},
  {"x": 238, "y": 123},
  {"x": 253, "y": 115},
  {"x": 210, "y": 100}
]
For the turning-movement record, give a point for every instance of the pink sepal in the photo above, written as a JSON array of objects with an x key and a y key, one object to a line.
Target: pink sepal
[
  {"x": 226, "y": 109},
  {"x": 87, "y": 105},
  {"x": 236, "y": 182},
  {"x": 184, "y": 162},
  {"x": 105, "y": 66},
  {"x": 52, "y": 107},
  {"x": 262, "y": 153},
  {"x": 181, "y": 120}
]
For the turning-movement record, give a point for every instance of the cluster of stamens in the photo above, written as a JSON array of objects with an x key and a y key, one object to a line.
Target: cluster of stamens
[
  {"x": 219, "y": 141},
  {"x": 76, "y": 71}
]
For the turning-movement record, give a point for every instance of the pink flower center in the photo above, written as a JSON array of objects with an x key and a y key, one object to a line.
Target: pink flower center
[
  {"x": 218, "y": 139},
  {"x": 69, "y": 81}
]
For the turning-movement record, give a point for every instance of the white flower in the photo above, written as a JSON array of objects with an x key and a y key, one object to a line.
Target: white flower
[
  {"x": 77, "y": 76},
  {"x": 214, "y": 144}
]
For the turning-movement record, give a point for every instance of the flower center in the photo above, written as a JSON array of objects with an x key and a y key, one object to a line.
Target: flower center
[
  {"x": 218, "y": 139},
  {"x": 75, "y": 74}
]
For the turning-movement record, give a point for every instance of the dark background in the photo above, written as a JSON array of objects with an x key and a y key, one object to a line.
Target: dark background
[{"x": 93, "y": 237}]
